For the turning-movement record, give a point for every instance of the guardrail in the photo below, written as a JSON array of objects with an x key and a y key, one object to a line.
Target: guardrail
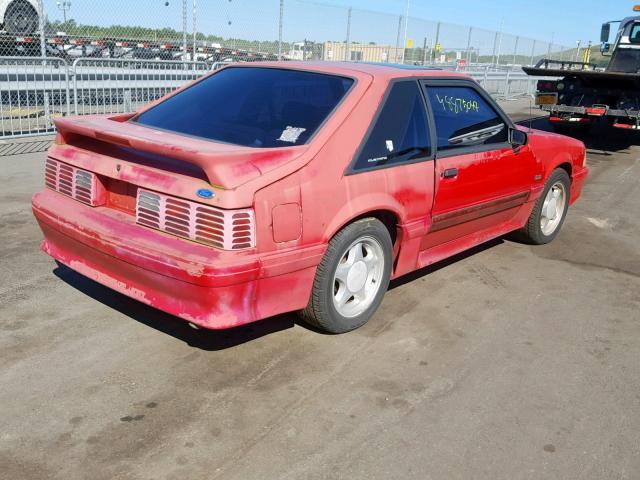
[
  {"x": 33, "y": 91},
  {"x": 504, "y": 84},
  {"x": 117, "y": 86}
]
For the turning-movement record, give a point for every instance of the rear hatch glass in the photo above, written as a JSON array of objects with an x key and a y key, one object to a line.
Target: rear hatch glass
[{"x": 251, "y": 106}]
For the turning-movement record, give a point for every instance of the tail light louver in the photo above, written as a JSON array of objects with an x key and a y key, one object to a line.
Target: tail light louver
[
  {"x": 74, "y": 182},
  {"x": 225, "y": 229}
]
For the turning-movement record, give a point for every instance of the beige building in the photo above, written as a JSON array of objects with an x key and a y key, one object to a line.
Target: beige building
[{"x": 361, "y": 52}]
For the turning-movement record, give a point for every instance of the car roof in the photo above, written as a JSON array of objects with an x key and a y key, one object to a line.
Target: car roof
[{"x": 378, "y": 70}]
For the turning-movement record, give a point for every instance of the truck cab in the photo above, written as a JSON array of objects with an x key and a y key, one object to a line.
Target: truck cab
[{"x": 625, "y": 53}]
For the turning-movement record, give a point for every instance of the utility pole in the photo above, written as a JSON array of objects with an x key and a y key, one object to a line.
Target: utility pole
[
  {"x": 578, "y": 43},
  {"x": 280, "y": 30},
  {"x": 469, "y": 44},
  {"x": 553, "y": 35},
  {"x": 515, "y": 51}
]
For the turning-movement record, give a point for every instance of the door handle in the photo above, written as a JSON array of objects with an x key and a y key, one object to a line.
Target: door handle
[{"x": 450, "y": 173}]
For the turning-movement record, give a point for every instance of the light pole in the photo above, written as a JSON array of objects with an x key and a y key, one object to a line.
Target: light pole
[{"x": 65, "y": 6}]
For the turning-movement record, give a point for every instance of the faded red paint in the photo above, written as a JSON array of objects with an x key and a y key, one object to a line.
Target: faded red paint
[{"x": 220, "y": 289}]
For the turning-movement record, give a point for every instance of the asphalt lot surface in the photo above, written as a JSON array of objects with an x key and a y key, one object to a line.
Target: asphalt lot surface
[{"x": 509, "y": 362}]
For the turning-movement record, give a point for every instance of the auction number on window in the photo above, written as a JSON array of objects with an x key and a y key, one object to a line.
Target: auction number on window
[{"x": 457, "y": 104}]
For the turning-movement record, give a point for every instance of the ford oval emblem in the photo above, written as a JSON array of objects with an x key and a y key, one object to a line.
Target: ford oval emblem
[{"x": 205, "y": 193}]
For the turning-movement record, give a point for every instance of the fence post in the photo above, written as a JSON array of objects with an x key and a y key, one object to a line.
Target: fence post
[
  {"x": 47, "y": 111},
  {"x": 184, "y": 29},
  {"x": 424, "y": 52},
  {"x": 280, "y": 30},
  {"x": 398, "y": 39},
  {"x": 406, "y": 25},
  {"x": 435, "y": 47},
  {"x": 43, "y": 48},
  {"x": 506, "y": 84},
  {"x": 67, "y": 89},
  {"x": 533, "y": 52},
  {"x": 195, "y": 33},
  {"x": 347, "y": 57},
  {"x": 486, "y": 75},
  {"x": 126, "y": 100},
  {"x": 74, "y": 73},
  {"x": 495, "y": 47}
]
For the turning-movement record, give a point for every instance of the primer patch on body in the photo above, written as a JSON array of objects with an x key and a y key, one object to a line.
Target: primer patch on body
[{"x": 291, "y": 134}]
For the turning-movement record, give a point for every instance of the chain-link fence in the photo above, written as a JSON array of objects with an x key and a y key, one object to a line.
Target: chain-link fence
[
  {"x": 249, "y": 30},
  {"x": 90, "y": 56}
]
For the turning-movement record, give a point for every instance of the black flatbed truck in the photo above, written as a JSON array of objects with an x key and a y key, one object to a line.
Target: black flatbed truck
[{"x": 585, "y": 93}]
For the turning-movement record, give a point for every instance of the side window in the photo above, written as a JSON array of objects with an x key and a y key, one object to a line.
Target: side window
[
  {"x": 400, "y": 132},
  {"x": 634, "y": 35},
  {"x": 463, "y": 118}
]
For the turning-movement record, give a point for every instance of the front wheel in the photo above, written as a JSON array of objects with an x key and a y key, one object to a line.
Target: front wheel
[
  {"x": 352, "y": 277},
  {"x": 550, "y": 210}
]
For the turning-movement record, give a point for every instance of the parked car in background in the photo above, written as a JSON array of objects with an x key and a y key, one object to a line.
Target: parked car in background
[
  {"x": 263, "y": 189},
  {"x": 19, "y": 17}
]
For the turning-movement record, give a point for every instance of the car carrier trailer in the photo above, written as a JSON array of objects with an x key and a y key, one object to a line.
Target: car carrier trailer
[
  {"x": 586, "y": 93},
  {"x": 73, "y": 46}
]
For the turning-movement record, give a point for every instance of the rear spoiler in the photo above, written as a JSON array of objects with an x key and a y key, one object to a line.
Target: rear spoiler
[{"x": 227, "y": 166}]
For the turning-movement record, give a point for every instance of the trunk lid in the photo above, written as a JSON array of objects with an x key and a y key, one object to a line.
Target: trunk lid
[{"x": 225, "y": 165}]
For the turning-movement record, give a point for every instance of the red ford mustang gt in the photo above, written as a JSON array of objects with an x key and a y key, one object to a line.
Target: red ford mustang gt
[{"x": 262, "y": 189}]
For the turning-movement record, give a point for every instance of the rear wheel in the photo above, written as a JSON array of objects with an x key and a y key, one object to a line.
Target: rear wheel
[
  {"x": 352, "y": 277},
  {"x": 21, "y": 19},
  {"x": 550, "y": 210}
]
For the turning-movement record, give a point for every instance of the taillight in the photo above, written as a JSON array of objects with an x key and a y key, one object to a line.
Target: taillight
[
  {"x": 225, "y": 229},
  {"x": 74, "y": 182}
]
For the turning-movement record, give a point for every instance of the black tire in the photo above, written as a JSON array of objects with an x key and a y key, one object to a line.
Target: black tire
[
  {"x": 320, "y": 311},
  {"x": 532, "y": 232},
  {"x": 21, "y": 19}
]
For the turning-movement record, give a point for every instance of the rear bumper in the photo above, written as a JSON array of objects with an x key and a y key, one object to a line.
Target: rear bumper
[
  {"x": 568, "y": 113},
  {"x": 211, "y": 288},
  {"x": 577, "y": 182}
]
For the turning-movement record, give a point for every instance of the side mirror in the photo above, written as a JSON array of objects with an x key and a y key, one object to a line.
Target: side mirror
[
  {"x": 517, "y": 138},
  {"x": 605, "y": 32}
]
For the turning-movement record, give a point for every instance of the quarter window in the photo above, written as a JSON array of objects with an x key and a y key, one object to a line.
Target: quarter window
[
  {"x": 464, "y": 118},
  {"x": 251, "y": 106},
  {"x": 400, "y": 132}
]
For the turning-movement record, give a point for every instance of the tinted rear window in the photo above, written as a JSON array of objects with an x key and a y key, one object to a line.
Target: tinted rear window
[{"x": 254, "y": 107}]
